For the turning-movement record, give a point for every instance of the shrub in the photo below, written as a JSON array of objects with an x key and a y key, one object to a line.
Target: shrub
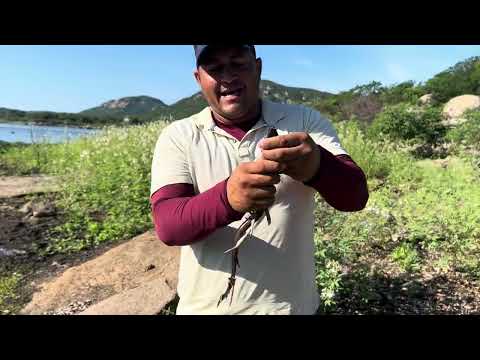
[
  {"x": 406, "y": 257},
  {"x": 467, "y": 133},
  {"x": 377, "y": 159},
  {"x": 407, "y": 122},
  {"x": 405, "y": 92}
]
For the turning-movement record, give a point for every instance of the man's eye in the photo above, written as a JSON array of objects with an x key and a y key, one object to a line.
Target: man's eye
[
  {"x": 240, "y": 65},
  {"x": 237, "y": 66},
  {"x": 214, "y": 68}
]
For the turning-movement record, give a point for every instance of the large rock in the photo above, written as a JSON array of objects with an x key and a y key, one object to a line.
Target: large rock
[
  {"x": 426, "y": 100},
  {"x": 131, "y": 265},
  {"x": 147, "y": 299},
  {"x": 456, "y": 107},
  {"x": 43, "y": 209},
  {"x": 11, "y": 186}
]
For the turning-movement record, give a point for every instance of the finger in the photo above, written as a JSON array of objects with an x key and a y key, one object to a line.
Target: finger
[
  {"x": 264, "y": 180},
  {"x": 286, "y": 154},
  {"x": 263, "y": 204},
  {"x": 264, "y": 192},
  {"x": 263, "y": 166},
  {"x": 283, "y": 141}
]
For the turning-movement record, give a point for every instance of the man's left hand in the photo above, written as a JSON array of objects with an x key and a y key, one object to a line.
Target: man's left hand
[{"x": 297, "y": 151}]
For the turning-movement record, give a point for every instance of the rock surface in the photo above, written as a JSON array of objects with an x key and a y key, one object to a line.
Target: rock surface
[
  {"x": 456, "y": 107},
  {"x": 147, "y": 299},
  {"x": 11, "y": 186},
  {"x": 426, "y": 99},
  {"x": 118, "y": 270}
]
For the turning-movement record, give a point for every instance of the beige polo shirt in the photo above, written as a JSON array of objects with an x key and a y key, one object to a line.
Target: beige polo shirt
[{"x": 277, "y": 268}]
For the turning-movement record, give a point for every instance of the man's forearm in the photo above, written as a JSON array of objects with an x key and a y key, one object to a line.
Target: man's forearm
[
  {"x": 341, "y": 182},
  {"x": 182, "y": 218}
]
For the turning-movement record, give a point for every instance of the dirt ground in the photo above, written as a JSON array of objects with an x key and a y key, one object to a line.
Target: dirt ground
[
  {"x": 425, "y": 293},
  {"x": 22, "y": 235}
]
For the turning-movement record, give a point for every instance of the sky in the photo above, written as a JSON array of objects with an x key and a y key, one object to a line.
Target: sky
[{"x": 72, "y": 78}]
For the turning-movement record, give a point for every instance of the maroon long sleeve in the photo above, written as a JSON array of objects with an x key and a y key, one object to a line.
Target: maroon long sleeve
[
  {"x": 183, "y": 218},
  {"x": 341, "y": 182}
]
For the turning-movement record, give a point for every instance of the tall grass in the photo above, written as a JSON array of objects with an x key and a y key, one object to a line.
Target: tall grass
[
  {"x": 380, "y": 160},
  {"x": 8, "y": 285},
  {"x": 105, "y": 183}
]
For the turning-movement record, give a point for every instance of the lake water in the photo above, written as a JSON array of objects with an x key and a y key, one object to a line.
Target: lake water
[{"x": 11, "y": 132}]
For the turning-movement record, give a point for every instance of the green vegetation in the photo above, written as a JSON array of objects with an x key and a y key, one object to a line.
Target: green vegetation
[
  {"x": 365, "y": 102},
  {"x": 105, "y": 184},
  {"x": 406, "y": 256},
  {"x": 180, "y": 109},
  {"x": 54, "y": 118},
  {"x": 362, "y": 102},
  {"x": 406, "y": 92},
  {"x": 408, "y": 122},
  {"x": 8, "y": 287},
  {"x": 467, "y": 133},
  {"x": 420, "y": 215},
  {"x": 462, "y": 78}
]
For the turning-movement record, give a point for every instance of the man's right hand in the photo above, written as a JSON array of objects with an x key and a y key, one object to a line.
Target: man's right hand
[{"x": 251, "y": 185}]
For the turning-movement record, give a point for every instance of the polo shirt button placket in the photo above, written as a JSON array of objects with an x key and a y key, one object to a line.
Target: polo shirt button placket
[{"x": 244, "y": 154}]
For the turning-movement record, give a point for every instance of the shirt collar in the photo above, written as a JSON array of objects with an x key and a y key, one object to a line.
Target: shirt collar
[{"x": 271, "y": 114}]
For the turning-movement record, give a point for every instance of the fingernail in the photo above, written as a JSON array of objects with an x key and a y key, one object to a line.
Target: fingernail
[{"x": 260, "y": 143}]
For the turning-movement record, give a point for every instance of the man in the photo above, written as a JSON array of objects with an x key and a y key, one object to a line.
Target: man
[{"x": 212, "y": 168}]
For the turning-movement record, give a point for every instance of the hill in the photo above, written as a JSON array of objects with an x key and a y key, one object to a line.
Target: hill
[
  {"x": 127, "y": 106},
  {"x": 11, "y": 113}
]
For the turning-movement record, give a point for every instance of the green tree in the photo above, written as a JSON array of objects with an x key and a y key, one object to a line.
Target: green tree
[
  {"x": 462, "y": 78},
  {"x": 406, "y": 91},
  {"x": 406, "y": 122}
]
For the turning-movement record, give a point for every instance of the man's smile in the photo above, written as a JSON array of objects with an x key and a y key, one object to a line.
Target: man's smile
[{"x": 232, "y": 94}]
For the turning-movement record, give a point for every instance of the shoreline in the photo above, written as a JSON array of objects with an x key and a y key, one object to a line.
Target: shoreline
[
  {"x": 19, "y": 129},
  {"x": 55, "y": 124},
  {"x": 17, "y": 143}
]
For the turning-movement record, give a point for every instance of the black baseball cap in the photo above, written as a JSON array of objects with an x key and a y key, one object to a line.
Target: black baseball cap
[{"x": 200, "y": 49}]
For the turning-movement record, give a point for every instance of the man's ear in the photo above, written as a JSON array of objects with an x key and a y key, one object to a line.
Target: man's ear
[{"x": 197, "y": 76}]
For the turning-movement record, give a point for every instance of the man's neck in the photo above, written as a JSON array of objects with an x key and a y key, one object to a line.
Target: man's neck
[
  {"x": 238, "y": 130},
  {"x": 250, "y": 118}
]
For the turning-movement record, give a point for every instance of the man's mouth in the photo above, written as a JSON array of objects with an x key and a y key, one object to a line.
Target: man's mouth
[{"x": 231, "y": 93}]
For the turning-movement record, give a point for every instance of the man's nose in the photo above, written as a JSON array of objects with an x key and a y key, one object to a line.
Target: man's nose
[{"x": 228, "y": 74}]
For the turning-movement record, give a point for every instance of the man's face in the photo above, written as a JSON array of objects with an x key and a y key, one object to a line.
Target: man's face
[{"x": 229, "y": 79}]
